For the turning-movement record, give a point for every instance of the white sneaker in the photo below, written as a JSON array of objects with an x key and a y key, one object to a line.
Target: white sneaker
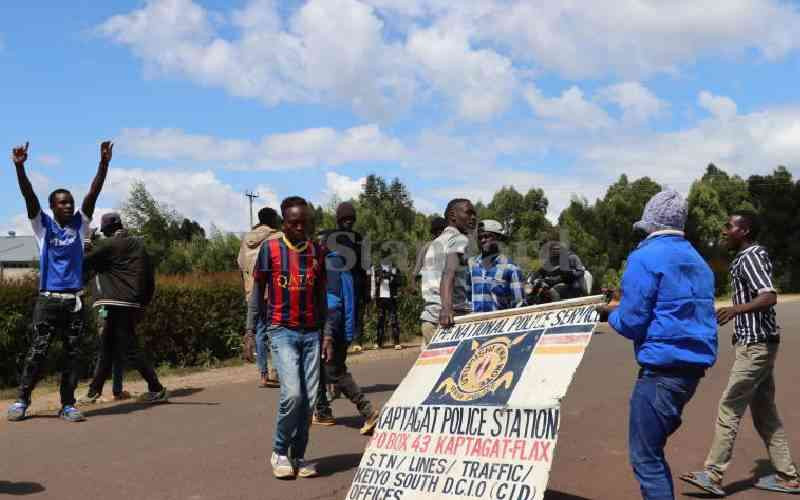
[
  {"x": 281, "y": 466},
  {"x": 305, "y": 469}
]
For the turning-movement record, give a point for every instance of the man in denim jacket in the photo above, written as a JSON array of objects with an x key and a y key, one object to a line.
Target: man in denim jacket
[{"x": 667, "y": 310}]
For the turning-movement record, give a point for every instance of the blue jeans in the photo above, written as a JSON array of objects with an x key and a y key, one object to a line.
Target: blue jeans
[
  {"x": 263, "y": 353},
  {"x": 296, "y": 356},
  {"x": 656, "y": 406}
]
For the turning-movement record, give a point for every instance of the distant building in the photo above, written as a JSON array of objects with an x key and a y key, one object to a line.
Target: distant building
[{"x": 19, "y": 256}]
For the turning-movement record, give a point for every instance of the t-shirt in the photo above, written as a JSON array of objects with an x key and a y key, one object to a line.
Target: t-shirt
[
  {"x": 387, "y": 273},
  {"x": 451, "y": 241},
  {"x": 61, "y": 262},
  {"x": 294, "y": 276}
]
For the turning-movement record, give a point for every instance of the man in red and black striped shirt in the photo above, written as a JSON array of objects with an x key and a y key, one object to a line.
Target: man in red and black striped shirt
[{"x": 293, "y": 270}]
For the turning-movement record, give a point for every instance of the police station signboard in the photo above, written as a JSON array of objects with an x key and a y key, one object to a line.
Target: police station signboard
[{"x": 478, "y": 414}]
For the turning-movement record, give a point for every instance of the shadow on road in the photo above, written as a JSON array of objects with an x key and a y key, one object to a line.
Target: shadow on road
[
  {"x": 328, "y": 466},
  {"x": 134, "y": 406},
  {"x": 559, "y": 495},
  {"x": 761, "y": 468},
  {"x": 21, "y": 488},
  {"x": 352, "y": 422},
  {"x": 379, "y": 388}
]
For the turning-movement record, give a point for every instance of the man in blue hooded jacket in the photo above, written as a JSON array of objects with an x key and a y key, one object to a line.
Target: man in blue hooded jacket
[
  {"x": 667, "y": 310},
  {"x": 341, "y": 326}
]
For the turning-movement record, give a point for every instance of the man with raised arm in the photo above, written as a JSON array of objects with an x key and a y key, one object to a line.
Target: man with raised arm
[{"x": 57, "y": 313}]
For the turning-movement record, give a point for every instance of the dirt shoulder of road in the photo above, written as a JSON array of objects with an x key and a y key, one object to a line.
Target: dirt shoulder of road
[{"x": 46, "y": 399}]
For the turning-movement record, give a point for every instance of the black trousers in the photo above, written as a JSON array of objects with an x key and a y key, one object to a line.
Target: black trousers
[
  {"x": 53, "y": 318},
  {"x": 388, "y": 307},
  {"x": 335, "y": 372},
  {"x": 119, "y": 346}
]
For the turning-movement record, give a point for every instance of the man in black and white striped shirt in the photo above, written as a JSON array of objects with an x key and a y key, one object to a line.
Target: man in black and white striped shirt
[
  {"x": 754, "y": 297},
  {"x": 751, "y": 383}
]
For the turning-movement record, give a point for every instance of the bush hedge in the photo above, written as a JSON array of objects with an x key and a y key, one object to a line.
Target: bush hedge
[{"x": 194, "y": 320}]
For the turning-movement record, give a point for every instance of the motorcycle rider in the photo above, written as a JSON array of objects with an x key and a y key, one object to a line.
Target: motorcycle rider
[{"x": 562, "y": 276}]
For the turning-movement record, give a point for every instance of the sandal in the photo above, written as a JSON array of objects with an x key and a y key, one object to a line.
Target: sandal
[
  {"x": 703, "y": 481},
  {"x": 775, "y": 483}
]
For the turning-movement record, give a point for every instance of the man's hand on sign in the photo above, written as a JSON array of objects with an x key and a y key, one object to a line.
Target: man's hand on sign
[{"x": 613, "y": 297}]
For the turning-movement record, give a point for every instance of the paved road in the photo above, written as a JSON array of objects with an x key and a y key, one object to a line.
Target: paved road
[{"x": 212, "y": 443}]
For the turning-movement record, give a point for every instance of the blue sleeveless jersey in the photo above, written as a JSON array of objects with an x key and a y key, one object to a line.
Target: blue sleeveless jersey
[{"x": 61, "y": 262}]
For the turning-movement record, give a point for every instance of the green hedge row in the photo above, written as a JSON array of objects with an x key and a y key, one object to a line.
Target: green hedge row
[
  {"x": 193, "y": 321},
  {"x": 190, "y": 323}
]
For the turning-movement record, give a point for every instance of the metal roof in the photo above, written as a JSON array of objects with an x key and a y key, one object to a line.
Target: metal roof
[{"x": 18, "y": 249}]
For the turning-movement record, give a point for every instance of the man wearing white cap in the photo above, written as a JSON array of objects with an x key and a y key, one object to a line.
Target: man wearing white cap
[{"x": 496, "y": 282}]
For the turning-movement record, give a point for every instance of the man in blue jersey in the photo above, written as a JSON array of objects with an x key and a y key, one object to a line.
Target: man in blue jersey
[{"x": 57, "y": 313}]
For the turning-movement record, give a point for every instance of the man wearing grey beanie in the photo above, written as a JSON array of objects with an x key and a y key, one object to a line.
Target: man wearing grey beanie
[{"x": 667, "y": 309}]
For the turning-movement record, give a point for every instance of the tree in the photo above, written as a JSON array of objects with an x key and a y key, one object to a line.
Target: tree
[
  {"x": 777, "y": 200},
  {"x": 711, "y": 199},
  {"x": 161, "y": 228},
  {"x": 145, "y": 217},
  {"x": 189, "y": 230},
  {"x": 602, "y": 234}
]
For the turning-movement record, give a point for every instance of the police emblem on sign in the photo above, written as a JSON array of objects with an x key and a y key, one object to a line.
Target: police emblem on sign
[{"x": 484, "y": 373}]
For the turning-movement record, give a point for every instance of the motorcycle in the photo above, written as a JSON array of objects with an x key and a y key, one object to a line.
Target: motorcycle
[{"x": 537, "y": 291}]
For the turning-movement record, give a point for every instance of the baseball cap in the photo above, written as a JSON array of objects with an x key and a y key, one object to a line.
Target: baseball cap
[
  {"x": 110, "y": 220},
  {"x": 491, "y": 226}
]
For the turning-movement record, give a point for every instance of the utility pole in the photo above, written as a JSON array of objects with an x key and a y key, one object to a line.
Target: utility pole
[{"x": 251, "y": 195}]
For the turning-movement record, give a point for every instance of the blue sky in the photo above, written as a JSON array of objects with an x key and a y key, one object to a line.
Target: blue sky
[{"x": 207, "y": 99}]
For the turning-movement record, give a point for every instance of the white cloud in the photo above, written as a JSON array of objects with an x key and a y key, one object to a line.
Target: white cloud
[
  {"x": 20, "y": 225},
  {"x": 342, "y": 187},
  {"x": 382, "y": 57},
  {"x": 302, "y": 149},
  {"x": 49, "y": 160},
  {"x": 200, "y": 196},
  {"x": 175, "y": 144},
  {"x": 635, "y": 100},
  {"x": 720, "y": 106},
  {"x": 584, "y": 38},
  {"x": 740, "y": 144},
  {"x": 481, "y": 83},
  {"x": 41, "y": 183},
  {"x": 569, "y": 111},
  {"x": 331, "y": 50}
]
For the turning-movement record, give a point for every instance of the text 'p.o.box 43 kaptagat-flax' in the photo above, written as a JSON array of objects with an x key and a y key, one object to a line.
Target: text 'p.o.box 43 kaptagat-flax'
[{"x": 478, "y": 414}]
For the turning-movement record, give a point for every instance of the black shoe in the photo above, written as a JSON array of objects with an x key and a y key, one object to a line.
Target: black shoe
[{"x": 155, "y": 397}]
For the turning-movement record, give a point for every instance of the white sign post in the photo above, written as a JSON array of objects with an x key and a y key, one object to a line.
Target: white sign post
[{"x": 478, "y": 414}]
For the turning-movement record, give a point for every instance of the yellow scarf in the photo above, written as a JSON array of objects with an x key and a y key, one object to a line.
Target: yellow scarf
[{"x": 300, "y": 248}]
